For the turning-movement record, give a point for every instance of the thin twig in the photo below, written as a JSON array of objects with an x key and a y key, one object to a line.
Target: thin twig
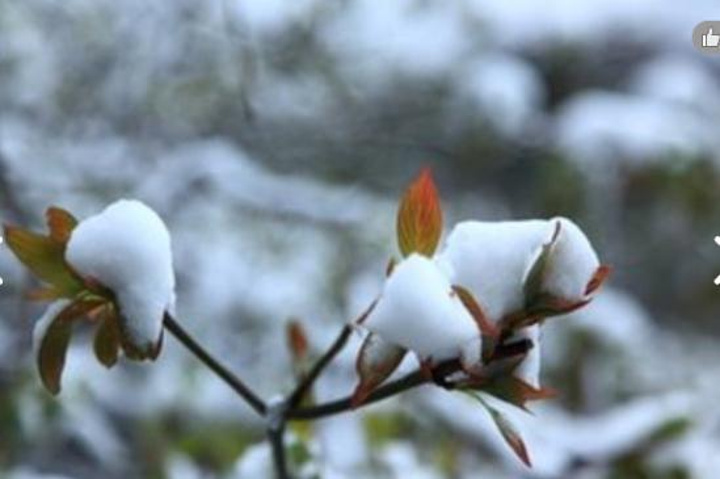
[
  {"x": 275, "y": 436},
  {"x": 407, "y": 382},
  {"x": 221, "y": 371},
  {"x": 304, "y": 386}
]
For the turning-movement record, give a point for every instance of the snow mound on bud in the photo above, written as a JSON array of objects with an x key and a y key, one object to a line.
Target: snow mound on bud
[
  {"x": 573, "y": 264},
  {"x": 43, "y": 323},
  {"x": 127, "y": 248},
  {"x": 491, "y": 259},
  {"x": 419, "y": 311}
]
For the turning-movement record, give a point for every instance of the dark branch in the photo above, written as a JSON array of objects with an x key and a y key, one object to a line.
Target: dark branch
[
  {"x": 304, "y": 386},
  {"x": 410, "y": 381},
  {"x": 221, "y": 371},
  {"x": 275, "y": 436}
]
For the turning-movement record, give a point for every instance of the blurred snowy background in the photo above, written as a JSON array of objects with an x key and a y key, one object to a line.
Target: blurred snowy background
[{"x": 275, "y": 138}]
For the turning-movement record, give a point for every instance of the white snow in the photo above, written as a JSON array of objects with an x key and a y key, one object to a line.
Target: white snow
[
  {"x": 573, "y": 263},
  {"x": 44, "y": 322},
  {"x": 255, "y": 462},
  {"x": 127, "y": 248},
  {"x": 375, "y": 40},
  {"x": 683, "y": 81},
  {"x": 418, "y": 310},
  {"x": 490, "y": 260},
  {"x": 505, "y": 89},
  {"x": 599, "y": 128}
]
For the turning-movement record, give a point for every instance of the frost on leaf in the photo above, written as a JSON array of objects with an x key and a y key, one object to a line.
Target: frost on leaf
[
  {"x": 376, "y": 361},
  {"x": 419, "y": 219},
  {"x": 419, "y": 311}
]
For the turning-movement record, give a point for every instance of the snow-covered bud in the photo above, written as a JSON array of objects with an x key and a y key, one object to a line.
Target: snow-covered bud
[
  {"x": 490, "y": 259},
  {"x": 126, "y": 248},
  {"x": 113, "y": 269},
  {"x": 419, "y": 311},
  {"x": 523, "y": 271}
]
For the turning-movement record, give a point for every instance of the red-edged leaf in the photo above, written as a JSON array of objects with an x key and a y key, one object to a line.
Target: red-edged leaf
[
  {"x": 45, "y": 258},
  {"x": 515, "y": 391},
  {"x": 510, "y": 434},
  {"x": 376, "y": 361},
  {"x": 297, "y": 340},
  {"x": 419, "y": 219},
  {"x": 60, "y": 223},
  {"x": 546, "y": 306},
  {"x": 536, "y": 275},
  {"x": 600, "y": 276},
  {"x": 107, "y": 338},
  {"x": 54, "y": 343},
  {"x": 507, "y": 430},
  {"x": 487, "y": 327}
]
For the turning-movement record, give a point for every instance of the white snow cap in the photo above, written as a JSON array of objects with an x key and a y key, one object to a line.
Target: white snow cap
[
  {"x": 419, "y": 311},
  {"x": 492, "y": 260},
  {"x": 127, "y": 248},
  {"x": 573, "y": 264},
  {"x": 44, "y": 322}
]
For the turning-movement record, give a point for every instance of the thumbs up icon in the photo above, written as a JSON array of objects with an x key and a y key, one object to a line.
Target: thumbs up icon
[{"x": 710, "y": 39}]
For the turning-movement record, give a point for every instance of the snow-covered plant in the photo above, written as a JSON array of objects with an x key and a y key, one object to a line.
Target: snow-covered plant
[
  {"x": 476, "y": 307},
  {"x": 470, "y": 310},
  {"x": 113, "y": 269}
]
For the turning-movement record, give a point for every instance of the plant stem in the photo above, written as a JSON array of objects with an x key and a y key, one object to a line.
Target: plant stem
[
  {"x": 208, "y": 360},
  {"x": 407, "y": 382},
  {"x": 304, "y": 386},
  {"x": 331, "y": 408},
  {"x": 275, "y": 436}
]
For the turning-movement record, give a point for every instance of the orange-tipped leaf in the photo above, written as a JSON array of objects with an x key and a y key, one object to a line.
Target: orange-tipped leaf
[{"x": 419, "y": 219}]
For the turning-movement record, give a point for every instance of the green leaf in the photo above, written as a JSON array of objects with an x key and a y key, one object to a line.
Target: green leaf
[
  {"x": 376, "y": 361},
  {"x": 52, "y": 352},
  {"x": 107, "y": 338},
  {"x": 45, "y": 257},
  {"x": 419, "y": 219},
  {"x": 536, "y": 276}
]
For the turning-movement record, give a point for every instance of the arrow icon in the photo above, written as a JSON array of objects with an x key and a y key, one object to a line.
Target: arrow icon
[{"x": 717, "y": 279}]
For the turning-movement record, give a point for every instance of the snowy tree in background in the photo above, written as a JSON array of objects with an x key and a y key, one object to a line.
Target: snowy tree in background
[{"x": 470, "y": 311}]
